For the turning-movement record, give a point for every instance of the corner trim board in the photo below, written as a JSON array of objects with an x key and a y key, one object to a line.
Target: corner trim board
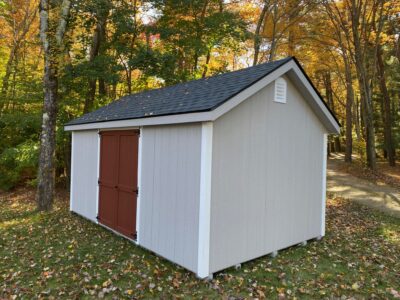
[
  {"x": 324, "y": 162},
  {"x": 71, "y": 197},
  {"x": 203, "y": 258}
]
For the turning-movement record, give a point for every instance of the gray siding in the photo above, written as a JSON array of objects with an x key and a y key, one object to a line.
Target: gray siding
[
  {"x": 84, "y": 173},
  {"x": 169, "y": 192},
  {"x": 266, "y": 178}
]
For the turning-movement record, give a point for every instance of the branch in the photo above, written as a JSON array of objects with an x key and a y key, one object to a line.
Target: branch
[{"x": 65, "y": 9}]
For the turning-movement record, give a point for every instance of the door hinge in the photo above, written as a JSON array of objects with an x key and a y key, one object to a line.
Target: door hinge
[
  {"x": 97, "y": 218},
  {"x": 136, "y": 191},
  {"x": 98, "y": 181}
]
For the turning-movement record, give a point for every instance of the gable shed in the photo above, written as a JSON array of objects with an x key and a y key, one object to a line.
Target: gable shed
[{"x": 209, "y": 173}]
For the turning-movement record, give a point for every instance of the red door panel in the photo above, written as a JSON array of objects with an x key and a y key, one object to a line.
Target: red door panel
[
  {"x": 126, "y": 222},
  {"x": 109, "y": 159},
  {"x": 128, "y": 161},
  {"x": 107, "y": 205},
  {"x": 118, "y": 180}
]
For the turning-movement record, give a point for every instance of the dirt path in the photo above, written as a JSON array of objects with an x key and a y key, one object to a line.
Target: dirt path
[{"x": 381, "y": 197}]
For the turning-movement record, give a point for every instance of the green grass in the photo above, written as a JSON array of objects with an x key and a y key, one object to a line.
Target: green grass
[{"x": 61, "y": 255}]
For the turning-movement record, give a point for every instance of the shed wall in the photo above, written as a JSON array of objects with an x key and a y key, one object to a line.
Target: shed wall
[
  {"x": 169, "y": 192},
  {"x": 84, "y": 173},
  {"x": 267, "y": 171}
]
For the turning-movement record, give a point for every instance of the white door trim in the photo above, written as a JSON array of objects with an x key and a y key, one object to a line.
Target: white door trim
[
  {"x": 139, "y": 197},
  {"x": 98, "y": 176}
]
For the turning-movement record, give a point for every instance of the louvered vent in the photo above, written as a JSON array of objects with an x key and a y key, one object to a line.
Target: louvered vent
[{"x": 280, "y": 90}]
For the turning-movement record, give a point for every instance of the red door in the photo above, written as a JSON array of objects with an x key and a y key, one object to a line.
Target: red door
[{"x": 118, "y": 180}]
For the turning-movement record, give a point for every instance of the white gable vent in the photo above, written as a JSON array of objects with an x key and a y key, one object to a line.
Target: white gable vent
[{"x": 280, "y": 90}]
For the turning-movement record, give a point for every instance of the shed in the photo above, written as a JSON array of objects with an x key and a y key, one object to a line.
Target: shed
[{"x": 209, "y": 173}]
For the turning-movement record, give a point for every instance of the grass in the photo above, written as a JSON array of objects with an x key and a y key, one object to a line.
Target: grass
[{"x": 61, "y": 255}]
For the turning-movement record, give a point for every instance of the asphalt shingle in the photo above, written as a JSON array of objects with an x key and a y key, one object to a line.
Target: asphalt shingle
[{"x": 193, "y": 96}]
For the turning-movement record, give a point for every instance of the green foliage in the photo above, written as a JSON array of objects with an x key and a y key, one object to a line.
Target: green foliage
[{"x": 18, "y": 164}]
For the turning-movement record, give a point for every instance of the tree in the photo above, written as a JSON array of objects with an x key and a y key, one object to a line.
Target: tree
[
  {"x": 19, "y": 17},
  {"x": 257, "y": 36},
  {"x": 342, "y": 38},
  {"x": 52, "y": 37}
]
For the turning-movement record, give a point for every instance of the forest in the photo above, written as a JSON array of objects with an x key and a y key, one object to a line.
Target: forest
[{"x": 63, "y": 58}]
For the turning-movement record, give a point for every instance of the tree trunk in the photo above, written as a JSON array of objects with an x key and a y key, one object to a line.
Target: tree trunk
[
  {"x": 349, "y": 113},
  {"x": 274, "y": 42},
  {"x": 206, "y": 64},
  {"x": 102, "y": 87},
  {"x": 98, "y": 37},
  {"x": 7, "y": 74},
  {"x": 257, "y": 38},
  {"x": 365, "y": 89},
  {"x": 357, "y": 120},
  {"x": 90, "y": 96},
  {"x": 51, "y": 49},
  {"x": 386, "y": 114}
]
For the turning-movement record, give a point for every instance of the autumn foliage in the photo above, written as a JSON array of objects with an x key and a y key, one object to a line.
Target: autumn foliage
[{"x": 350, "y": 49}]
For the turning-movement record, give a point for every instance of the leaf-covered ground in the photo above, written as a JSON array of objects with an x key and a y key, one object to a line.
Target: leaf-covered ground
[{"x": 61, "y": 255}]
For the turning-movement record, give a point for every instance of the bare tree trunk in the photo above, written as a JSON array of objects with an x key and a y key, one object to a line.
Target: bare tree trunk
[
  {"x": 357, "y": 120},
  {"x": 274, "y": 45},
  {"x": 7, "y": 74},
  {"x": 129, "y": 79},
  {"x": 90, "y": 96},
  {"x": 102, "y": 87},
  {"x": 199, "y": 34},
  {"x": 206, "y": 64},
  {"x": 329, "y": 98},
  {"x": 51, "y": 48},
  {"x": 257, "y": 37},
  {"x": 386, "y": 114},
  {"x": 365, "y": 89},
  {"x": 98, "y": 36},
  {"x": 349, "y": 106}
]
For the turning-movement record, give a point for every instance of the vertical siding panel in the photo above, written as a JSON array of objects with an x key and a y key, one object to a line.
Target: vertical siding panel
[
  {"x": 172, "y": 174},
  {"x": 266, "y": 188},
  {"x": 84, "y": 176}
]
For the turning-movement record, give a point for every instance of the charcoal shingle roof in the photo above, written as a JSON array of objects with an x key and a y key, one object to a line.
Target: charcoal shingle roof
[{"x": 193, "y": 96}]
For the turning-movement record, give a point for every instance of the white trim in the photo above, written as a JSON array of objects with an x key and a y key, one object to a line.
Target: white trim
[
  {"x": 118, "y": 128},
  {"x": 138, "y": 199},
  {"x": 294, "y": 73},
  {"x": 98, "y": 176},
  {"x": 323, "y": 204},
  {"x": 332, "y": 125},
  {"x": 203, "y": 259},
  {"x": 134, "y": 123},
  {"x": 239, "y": 98},
  {"x": 72, "y": 175}
]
